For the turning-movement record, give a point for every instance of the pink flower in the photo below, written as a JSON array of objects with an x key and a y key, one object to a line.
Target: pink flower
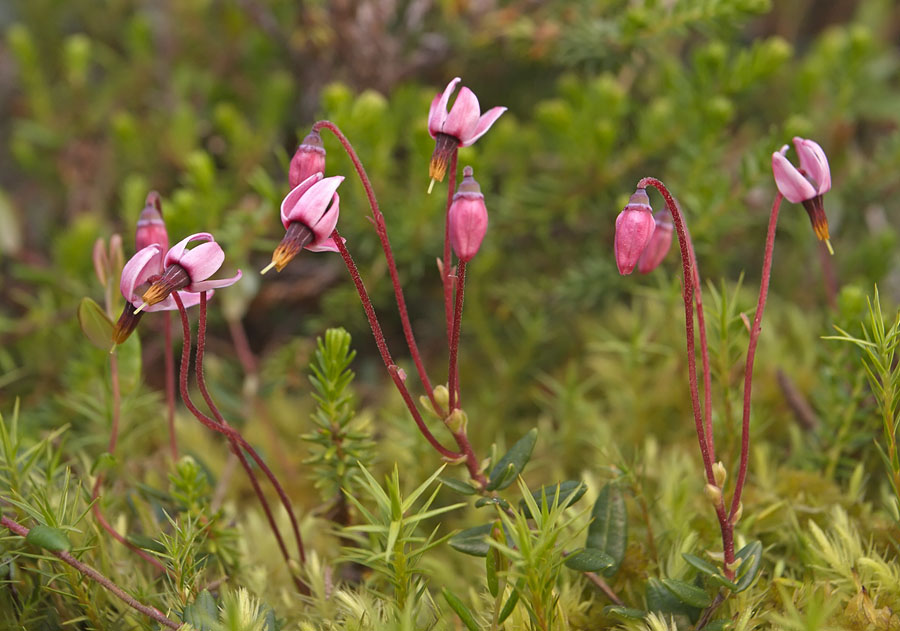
[
  {"x": 309, "y": 214},
  {"x": 634, "y": 229},
  {"x": 151, "y": 229},
  {"x": 189, "y": 269},
  {"x": 659, "y": 244},
  {"x": 806, "y": 185},
  {"x": 468, "y": 218},
  {"x": 308, "y": 160},
  {"x": 460, "y": 127}
]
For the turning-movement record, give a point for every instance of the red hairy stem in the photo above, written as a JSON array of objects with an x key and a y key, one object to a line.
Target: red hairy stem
[
  {"x": 751, "y": 354},
  {"x": 170, "y": 384},
  {"x": 381, "y": 343},
  {"x": 687, "y": 261},
  {"x": 232, "y": 435},
  {"x": 98, "y": 484},
  {"x": 446, "y": 280},
  {"x": 704, "y": 351},
  {"x": 87, "y": 570},
  {"x": 453, "y": 369},
  {"x": 381, "y": 229}
]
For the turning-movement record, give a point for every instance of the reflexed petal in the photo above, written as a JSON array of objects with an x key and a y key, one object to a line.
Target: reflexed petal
[
  {"x": 789, "y": 181},
  {"x": 484, "y": 123},
  {"x": 814, "y": 162},
  {"x": 328, "y": 245},
  {"x": 463, "y": 117},
  {"x": 138, "y": 269},
  {"x": 188, "y": 299},
  {"x": 325, "y": 226},
  {"x": 206, "y": 285},
  {"x": 177, "y": 250},
  {"x": 438, "y": 112},
  {"x": 202, "y": 261},
  {"x": 309, "y": 209},
  {"x": 294, "y": 196}
]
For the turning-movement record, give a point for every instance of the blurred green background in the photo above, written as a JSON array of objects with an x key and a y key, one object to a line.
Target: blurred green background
[{"x": 205, "y": 102}]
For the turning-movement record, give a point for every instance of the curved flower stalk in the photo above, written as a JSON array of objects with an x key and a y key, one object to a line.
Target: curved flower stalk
[{"x": 461, "y": 126}]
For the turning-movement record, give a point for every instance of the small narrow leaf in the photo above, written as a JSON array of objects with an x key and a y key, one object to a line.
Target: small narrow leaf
[
  {"x": 608, "y": 531},
  {"x": 661, "y": 600},
  {"x": 570, "y": 492},
  {"x": 751, "y": 555},
  {"x": 518, "y": 456},
  {"x": 147, "y": 543},
  {"x": 508, "y": 606},
  {"x": 461, "y": 610},
  {"x": 472, "y": 540},
  {"x": 628, "y": 613},
  {"x": 457, "y": 485},
  {"x": 95, "y": 324},
  {"x": 687, "y": 593},
  {"x": 590, "y": 560},
  {"x": 48, "y": 538}
]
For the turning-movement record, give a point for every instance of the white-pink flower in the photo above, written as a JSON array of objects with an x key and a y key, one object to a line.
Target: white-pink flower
[
  {"x": 806, "y": 185},
  {"x": 461, "y": 126},
  {"x": 309, "y": 215}
]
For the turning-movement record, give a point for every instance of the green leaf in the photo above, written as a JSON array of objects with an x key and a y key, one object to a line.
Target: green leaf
[
  {"x": 508, "y": 606},
  {"x": 687, "y": 593},
  {"x": 202, "y": 614},
  {"x": 716, "y": 625},
  {"x": 704, "y": 566},
  {"x": 95, "y": 324},
  {"x": 104, "y": 462},
  {"x": 629, "y": 613},
  {"x": 492, "y": 501},
  {"x": 661, "y": 600},
  {"x": 457, "y": 485},
  {"x": 751, "y": 554},
  {"x": 514, "y": 460},
  {"x": 590, "y": 560},
  {"x": 493, "y": 562},
  {"x": 461, "y": 610},
  {"x": 472, "y": 540},
  {"x": 570, "y": 492},
  {"x": 48, "y": 538},
  {"x": 608, "y": 531},
  {"x": 147, "y": 543}
]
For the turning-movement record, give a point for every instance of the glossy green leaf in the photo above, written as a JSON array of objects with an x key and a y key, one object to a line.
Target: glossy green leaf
[
  {"x": 461, "y": 610},
  {"x": 472, "y": 541},
  {"x": 751, "y": 554},
  {"x": 570, "y": 492},
  {"x": 48, "y": 538},
  {"x": 590, "y": 560},
  {"x": 661, "y": 600},
  {"x": 608, "y": 531},
  {"x": 203, "y": 613},
  {"x": 629, "y": 613},
  {"x": 95, "y": 324},
  {"x": 687, "y": 593},
  {"x": 508, "y": 606},
  {"x": 513, "y": 462},
  {"x": 457, "y": 485},
  {"x": 704, "y": 566},
  {"x": 492, "y": 501}
]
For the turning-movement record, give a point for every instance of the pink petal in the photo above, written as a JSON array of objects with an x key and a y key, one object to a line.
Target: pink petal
[
  {"x": 294, "y": 196},
  {"x": 325, "y": 226},
  {"x": 328, "y": 245},
  {"x": 789, "y": 181},
  {"x": 463, "y": 117},
  {"x": 202, "y": 261},
  {"x": 437, "y": 113},
  {"x": 188, "y": 299},
  {"x": 177, "y": 250},
  {"x": 484, "y": 123},
  {"x": 146, "y": 263},
  {"x": 206, "y": 285},
  {"x": 814, "y": 162}
]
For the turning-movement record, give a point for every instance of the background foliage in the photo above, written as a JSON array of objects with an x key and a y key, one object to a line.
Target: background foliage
[{"x": 205, "y": 101}]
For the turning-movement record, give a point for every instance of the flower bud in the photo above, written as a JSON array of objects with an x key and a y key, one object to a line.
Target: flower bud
[
  {"x": 659, "y": 244},
  {"x": 101, "y": 261},
  {"x": 738, "y": 513},
  {"x": 713, "y": 494},
  {"x": 719, "y": 473},
  {"x": 308, "y": 160},
  {"x": 468, "y": 218},
  {"x": 634, "y": 229},
  {"x": 457, "y": 421},
  {"x": 151, "y": 229},
  {"x": 442, "y": 396}
]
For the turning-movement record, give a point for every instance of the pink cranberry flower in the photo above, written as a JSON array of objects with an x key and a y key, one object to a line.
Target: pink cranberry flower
[
  {"x": 460, "y": 127},
  {"x": 308, "y": 160},
  {"x": 659, "y": 244},
  {"x": 634, "y": 229},
  {"x": 136, "y": 278},
  {"x": 467, "y": 217},
  {"x": 189, "y": 269},
  {"x": 309, "y": 214},
  {"x": 807, "y": 184}
]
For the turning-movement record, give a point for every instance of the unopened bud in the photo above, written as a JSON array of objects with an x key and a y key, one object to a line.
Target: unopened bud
[
  {"x": 101, "y": 261},
  {"x": 713, "y": 494},
  {"x": 659, "y": 244},
  {"x": 468, "y": 217},
  {"x": 720, "y": 474},
  {"x": 634, "y": 228},
  {"x": 738, "y": 513},
  {"x": 457, "y": 421},
  {"x": 151, "y": 229},
  {"x": 308, "y": 160}
]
